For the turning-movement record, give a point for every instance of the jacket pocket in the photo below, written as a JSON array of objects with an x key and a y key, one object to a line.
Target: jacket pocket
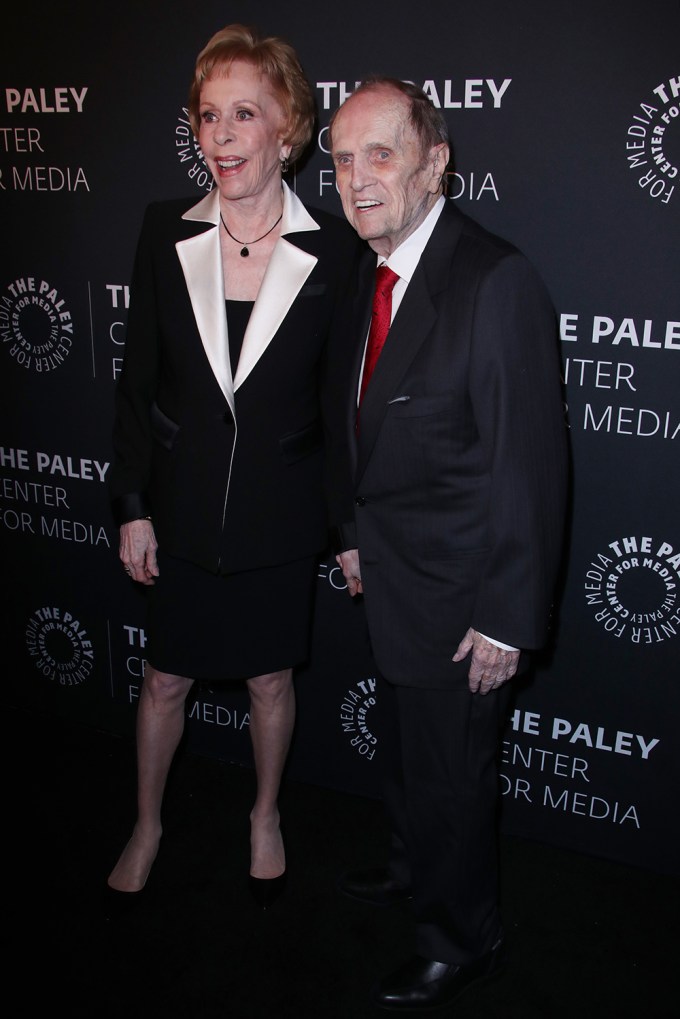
[
  {"x": 300, "y": 444},
  {"x": 163, "y": 428},
  {"x": 405, "y": 406}
]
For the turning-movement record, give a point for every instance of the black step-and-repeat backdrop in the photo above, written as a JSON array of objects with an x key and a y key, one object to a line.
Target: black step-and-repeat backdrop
[{"x": 566, "y": 128}]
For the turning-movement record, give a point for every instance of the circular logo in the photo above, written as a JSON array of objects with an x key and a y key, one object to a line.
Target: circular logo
[
  {"x": 35, "y": 326},
  {"x": 653, "y": 141},
  {"x": 354, "y": 718},
  {"x": 190, "y": 155},
  {"x": 59, "y": 646},
  {"x": 632, "y": 589}
]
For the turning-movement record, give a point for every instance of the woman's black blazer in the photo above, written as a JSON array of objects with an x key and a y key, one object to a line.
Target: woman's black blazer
[{"x": 229, "y": 469}]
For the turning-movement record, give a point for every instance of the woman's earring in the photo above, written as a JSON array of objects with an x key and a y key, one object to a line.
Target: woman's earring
[{"x": 284, "y": 165}]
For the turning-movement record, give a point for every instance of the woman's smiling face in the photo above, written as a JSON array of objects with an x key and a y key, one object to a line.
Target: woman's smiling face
[{"x": 241, "y": 135}]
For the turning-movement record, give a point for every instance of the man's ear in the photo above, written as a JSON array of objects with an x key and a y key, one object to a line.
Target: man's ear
[{"x": 438, "y": 159}]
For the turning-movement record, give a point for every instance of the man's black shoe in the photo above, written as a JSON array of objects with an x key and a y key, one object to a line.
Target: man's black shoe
[
  {"x": 374, "y": 885},
  {"x": 424, "y": 983}
]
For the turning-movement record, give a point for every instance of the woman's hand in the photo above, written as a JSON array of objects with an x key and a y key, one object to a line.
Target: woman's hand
[{"x": 138, "y": 551}]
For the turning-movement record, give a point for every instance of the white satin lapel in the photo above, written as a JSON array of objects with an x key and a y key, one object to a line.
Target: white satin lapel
[
  {"x": 288, "y": 269},
  {"x": 201, "y": 262}
]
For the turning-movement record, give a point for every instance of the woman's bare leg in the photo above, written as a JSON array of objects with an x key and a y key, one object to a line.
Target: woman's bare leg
[
  {"x": 272, "y": 717},
  {"x": 160, "y": 724}
]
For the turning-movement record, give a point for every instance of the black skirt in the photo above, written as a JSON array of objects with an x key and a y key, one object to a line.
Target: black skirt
[{"x": 208, "y": 626}]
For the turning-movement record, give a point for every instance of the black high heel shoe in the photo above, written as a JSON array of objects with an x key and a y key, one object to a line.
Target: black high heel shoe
[{"x": 265, "y": 891}]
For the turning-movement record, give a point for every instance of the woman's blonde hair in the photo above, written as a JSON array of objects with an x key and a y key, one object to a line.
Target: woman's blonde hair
[{"x": 272, "y": 57}]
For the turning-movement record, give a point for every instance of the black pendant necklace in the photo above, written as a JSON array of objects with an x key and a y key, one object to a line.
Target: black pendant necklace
[{"x": 244, "y": 250}]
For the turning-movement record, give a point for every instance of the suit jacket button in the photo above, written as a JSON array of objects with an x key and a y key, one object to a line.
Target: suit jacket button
[{"x": 360, "y": 500}]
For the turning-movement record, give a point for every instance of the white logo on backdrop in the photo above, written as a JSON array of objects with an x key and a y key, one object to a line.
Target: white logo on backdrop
[
  {"x": 653, "y": 141},
  {"x": 190, "y": 155},
  {"x": 36, "y": 328},
  {"x": 354, "y": 717},
  {"x": 58, "y": 643},
  {"x": 632, "y": 589}
]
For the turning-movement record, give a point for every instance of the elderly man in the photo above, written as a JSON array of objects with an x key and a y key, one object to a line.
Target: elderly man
[{"x": 449, "y": 495}]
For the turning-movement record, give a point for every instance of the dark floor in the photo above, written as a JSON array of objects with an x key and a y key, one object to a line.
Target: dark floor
[{"x": 586, "y": 938}]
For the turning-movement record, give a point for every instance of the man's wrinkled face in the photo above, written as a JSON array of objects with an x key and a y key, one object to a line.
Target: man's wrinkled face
[{"x": 387, "y": 183}]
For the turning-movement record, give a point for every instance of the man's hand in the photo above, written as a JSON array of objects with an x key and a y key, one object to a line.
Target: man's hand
[
  {"x": 491, "y": 666},
  {"x": 351, "y": 570},
  {"x": 138, "y": 551}
]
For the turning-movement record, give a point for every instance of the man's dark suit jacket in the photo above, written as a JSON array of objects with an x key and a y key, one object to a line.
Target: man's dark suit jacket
[
  {"x": 230, "y": 469},
  {"x": 454, "y": 492}
]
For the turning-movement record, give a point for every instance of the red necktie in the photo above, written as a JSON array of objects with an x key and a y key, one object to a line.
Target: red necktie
[{"x": 385, "y": 279}]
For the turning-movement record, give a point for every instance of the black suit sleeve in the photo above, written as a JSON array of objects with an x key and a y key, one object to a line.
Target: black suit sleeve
[
  {"x": 517, "y": 404},
  {"x": 336, "y": 403},
  {"x": 136, "y": 389}
]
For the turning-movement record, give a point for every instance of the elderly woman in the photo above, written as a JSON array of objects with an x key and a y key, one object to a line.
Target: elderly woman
[{"x": 217, "y": 476}]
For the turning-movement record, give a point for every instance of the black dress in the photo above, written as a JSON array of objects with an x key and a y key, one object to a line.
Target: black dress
[{"x": 210, "y": 626}]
